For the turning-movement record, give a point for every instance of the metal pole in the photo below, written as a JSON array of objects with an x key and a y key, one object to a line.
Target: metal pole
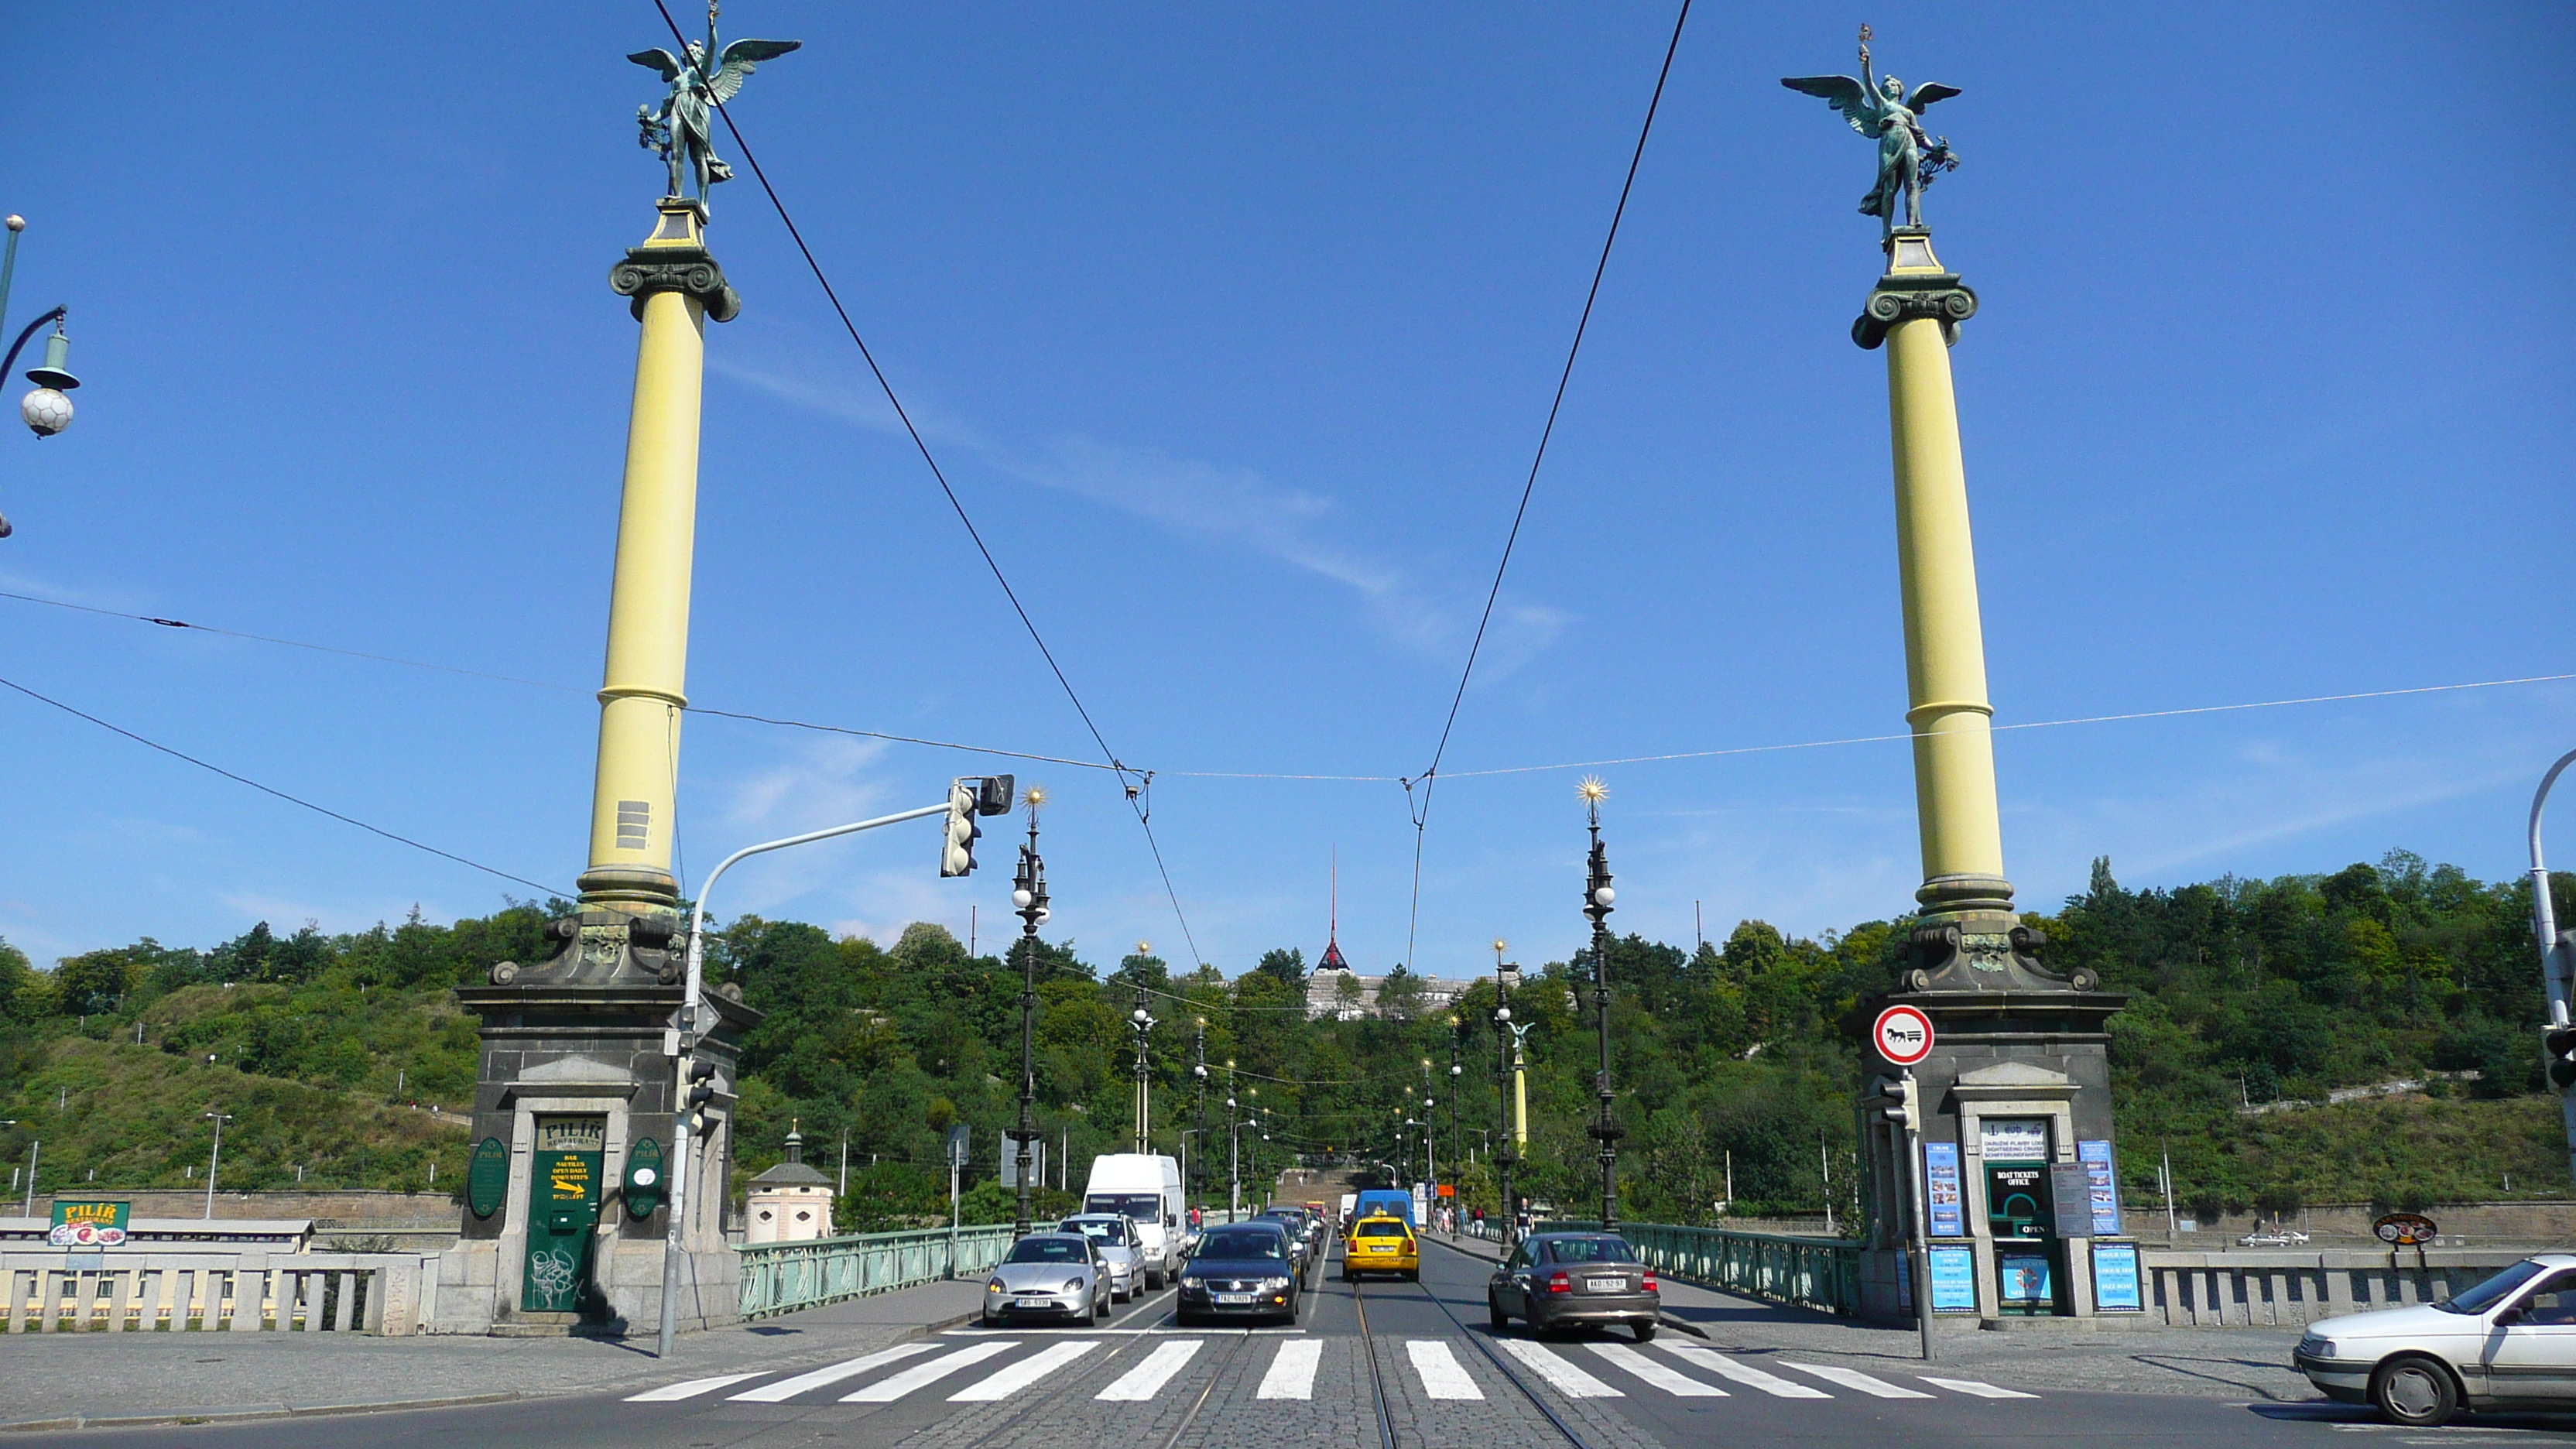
[
  {"x": 9, "y": 265},
  {"x": 38, "y": 1146},
  {"x": 213, "y": 1161},
  {"x": 2553, "y": 958},
  {"x": 1922, "y": 1235},
  {"x": 1597, "y": 896},
  {"x": 688, "y": 1024},
  {"x": 1029, "y": 897}
]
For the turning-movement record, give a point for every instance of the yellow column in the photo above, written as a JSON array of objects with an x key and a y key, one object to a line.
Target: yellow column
[
  {"x": 675, "y": 284},
  {"x": 1917, "y": 309}
]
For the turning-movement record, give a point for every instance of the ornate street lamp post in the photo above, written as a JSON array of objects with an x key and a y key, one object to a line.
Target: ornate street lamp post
[
  {"x": 1597, "y": 896},
  {"x": 1504, "y": 1041},
  {"x": 1143, "y": 1021},
  {"x": 1029, "y": 898},
  {"x": 1198, "y": 1128}
]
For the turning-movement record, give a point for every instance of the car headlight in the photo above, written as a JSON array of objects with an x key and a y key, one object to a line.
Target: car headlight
[
  {"x": 1274, "y": 1285},
  {"x": 994, "y": 1286},
  {"x": 1073, "y": 1285},
  {"x": 2321, "y": 1348}
]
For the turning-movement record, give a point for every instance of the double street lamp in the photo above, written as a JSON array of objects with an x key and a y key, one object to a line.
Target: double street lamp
[
  {"x": 1597, "y": 897},
  {"x": 45, "y": 410}
]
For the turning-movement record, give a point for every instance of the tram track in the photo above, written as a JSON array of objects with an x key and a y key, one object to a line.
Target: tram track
[{"x": 1387, "y": 1437}]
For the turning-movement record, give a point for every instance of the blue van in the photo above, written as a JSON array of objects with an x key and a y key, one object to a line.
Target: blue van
[{"x": 1392, "y": 1202}]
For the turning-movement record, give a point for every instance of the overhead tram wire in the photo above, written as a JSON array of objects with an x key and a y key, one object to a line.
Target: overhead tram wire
[
  {"x": 922, "y": 445},
  {"x": 1430, "y": 777},
  {"x": 279, "y": 794}
]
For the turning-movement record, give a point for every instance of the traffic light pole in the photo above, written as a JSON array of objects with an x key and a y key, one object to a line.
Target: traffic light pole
[
  {"x": 2558, "y": 1039},
  {"x": 689, "y": 1007},
  {"x": 1922, "y": 1265}
]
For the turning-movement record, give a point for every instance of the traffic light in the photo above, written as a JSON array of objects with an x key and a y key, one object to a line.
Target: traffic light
[
  {"x": 2558, "y": 1048},
  {"x": 702, "y": 1090},
  {"x": 968, "y": 797}
]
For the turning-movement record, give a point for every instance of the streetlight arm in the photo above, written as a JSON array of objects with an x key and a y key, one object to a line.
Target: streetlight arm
[
  {"x": 12, "y": 359},
  {"x": 2544, "y": 914}
]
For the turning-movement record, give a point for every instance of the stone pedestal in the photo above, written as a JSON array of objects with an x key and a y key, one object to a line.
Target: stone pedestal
[{"x": 583, "y": 1044}]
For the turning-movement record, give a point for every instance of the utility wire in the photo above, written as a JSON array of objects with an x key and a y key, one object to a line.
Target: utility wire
[
  {"x": 1421, "y": 811},
  {"x": 280, "y": 794},
  {"x": 923, "y": 446}
]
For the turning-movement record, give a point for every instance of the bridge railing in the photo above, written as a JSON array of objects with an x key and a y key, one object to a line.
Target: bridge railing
[
  {"x": 248, "y": 1290},
  {"x": 784, "y": 1277},
  {"x": 1818, "y": 1273}
]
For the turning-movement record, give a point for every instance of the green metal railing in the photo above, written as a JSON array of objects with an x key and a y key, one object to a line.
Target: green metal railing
[
  {"x": 784, "y": 1277},
  {"x": 1819, "y": 1273}
]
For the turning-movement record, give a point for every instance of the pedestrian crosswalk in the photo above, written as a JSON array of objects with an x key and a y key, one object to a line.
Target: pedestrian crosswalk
[{"x": 983, "y": 1370}]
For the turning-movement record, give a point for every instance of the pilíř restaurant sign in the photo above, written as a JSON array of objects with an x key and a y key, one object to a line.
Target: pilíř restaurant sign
[{"x": 88, "y": 1225}]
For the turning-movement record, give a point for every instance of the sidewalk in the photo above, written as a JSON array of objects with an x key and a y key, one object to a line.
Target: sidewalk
[
  {"x": 2240, "y": 1365},
  {"x": 97, "y": 1380}
]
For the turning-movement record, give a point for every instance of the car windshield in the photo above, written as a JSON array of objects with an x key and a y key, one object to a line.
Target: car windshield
[
  {"x": 1144, "y": 1207},
  {"x": 1591, "y": 1250},
  {"x": 1101, "y": 1228},
  {"x": 1237, "y": 1246},
  {"x": 1379, "y": 1228},
  {"x": 1048, "y": 1250},
  {"x": 2493, "y": 1291}
]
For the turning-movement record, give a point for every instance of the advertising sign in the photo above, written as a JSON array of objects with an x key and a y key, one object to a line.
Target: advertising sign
[
  {"x": 2405, "y": 1230},
  {"x": 2115, "y": 1279},
  {"x": 2068, "y": 1200},
  {"x": 2101, "y": 1187},
  {"x": 1954, "y": 1280},
  {"x": 1941, "y": 1189},
  {"x": 1903, "y": 1035},
  {"x": 2024, "y": 1277},
  {"x": 1011, "y": 1163},
  {"x": 2013, "y": 1139},
  {"x": 960, "y": 1139},
  {"x": 88, "y": 1225}
]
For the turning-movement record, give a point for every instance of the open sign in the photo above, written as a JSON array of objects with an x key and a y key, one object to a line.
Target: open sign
[{"x": 1902, "y": 1034}]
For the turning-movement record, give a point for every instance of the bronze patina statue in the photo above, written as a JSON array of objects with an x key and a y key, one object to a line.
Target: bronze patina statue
[
  {"x": 700, "y": 77},
  {"x": 1908, "y": 160}
]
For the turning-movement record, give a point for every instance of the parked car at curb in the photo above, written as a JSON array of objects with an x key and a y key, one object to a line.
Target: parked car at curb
[
  {"x": 1121, "y": 1248},
  {"x": 1048, "y": 1275},
  {"x": 1558, "y": 1280},
  {"x": 2508, "y": 1343}
]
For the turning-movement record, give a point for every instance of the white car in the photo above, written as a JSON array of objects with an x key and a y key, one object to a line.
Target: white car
[
  {"x": 1120, "y": 1247},
  {"x": 2509, "y": 1342},
  {"x": 2275, "y": 1238}
]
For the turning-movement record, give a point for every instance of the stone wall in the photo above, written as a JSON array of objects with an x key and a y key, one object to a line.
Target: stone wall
[
  {"x": 416, "y": 1221},
  {"x": 2464, "y": 1225}
]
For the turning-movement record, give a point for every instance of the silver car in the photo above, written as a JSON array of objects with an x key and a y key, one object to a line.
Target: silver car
[
  {"x": 1048, "y": 1275},
  {"x": 2509, "y": 1342},
  {"x": 1120, "y": 1247}
]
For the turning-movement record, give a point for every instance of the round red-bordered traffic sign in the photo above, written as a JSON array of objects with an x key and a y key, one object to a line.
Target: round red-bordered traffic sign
[{"x": 1902, "y": 1034}]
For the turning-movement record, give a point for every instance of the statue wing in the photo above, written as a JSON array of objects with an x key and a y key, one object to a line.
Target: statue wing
[
  {"x": 1842, "y": 93},
  {"x": 660, "y": 60},
  {"x": 740, "y": 59},
  {"x": 1928, "y": 92}
]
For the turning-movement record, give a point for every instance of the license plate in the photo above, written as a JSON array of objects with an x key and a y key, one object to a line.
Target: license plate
[
  {"x": 1238, "y": 1297},
  {"x": 1381, "y": 1248},
  {"x": 1035, "y": 1303},
  {"x": 1605, "y": 1285}
]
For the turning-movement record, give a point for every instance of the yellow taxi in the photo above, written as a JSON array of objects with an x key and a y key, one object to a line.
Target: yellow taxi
[{"x": 1381, "y": 1243}]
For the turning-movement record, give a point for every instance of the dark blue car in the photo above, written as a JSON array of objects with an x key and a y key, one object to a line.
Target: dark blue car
[{"x": 1240, "y": 1270}]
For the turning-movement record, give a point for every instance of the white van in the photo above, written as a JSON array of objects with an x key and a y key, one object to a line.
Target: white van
[{"x": 1146, "y": 1187}]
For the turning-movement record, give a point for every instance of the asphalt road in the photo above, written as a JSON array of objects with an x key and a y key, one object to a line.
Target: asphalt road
[{"x": 1140, "y": 1382}]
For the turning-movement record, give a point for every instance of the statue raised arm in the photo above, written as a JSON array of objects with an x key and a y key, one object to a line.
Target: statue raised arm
[
  {"x": 1908, "y": 160},
  {"x": 700, "y": 77}
]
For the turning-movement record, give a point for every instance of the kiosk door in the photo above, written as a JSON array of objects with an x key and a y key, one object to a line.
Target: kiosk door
[
  {"x": 2021, "y": 1218},
  {"x": 563, "y": 1208}
]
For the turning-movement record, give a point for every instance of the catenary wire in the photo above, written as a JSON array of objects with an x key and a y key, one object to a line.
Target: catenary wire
[
  {"x": 1429, "y": 778},
  {"x": 280, "y": 794},
  {"x": 922, "y": 445}
]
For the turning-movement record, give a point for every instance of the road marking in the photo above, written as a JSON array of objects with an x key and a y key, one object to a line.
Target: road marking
[
  {"x": 1678, "y": 1385},
  {"x": 1146, "y": 1379},
  {"x": 1570, "y": 1381},
  {"x": 1024, "y": 1373},
  {"x": 790, "y": 1388},
  {"x": 1855, "y": 1379},
  {"x": 1442, "y": 1378},
  {"x": 1719, "y": 1364},
  {"x": 670, "y": 1393},
  {"x": 1292, "y": 1370},
  {"x": 886, "y": 1391},
  {"x": 1971, "y": 1386}
]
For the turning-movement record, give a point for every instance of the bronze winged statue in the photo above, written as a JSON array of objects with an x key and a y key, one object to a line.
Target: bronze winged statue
[
  {"x": 1908, "y": 160},
  {"x": 700, "y": 77}
]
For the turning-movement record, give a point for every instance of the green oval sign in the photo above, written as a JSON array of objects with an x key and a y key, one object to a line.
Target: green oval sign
[
  {"x": 487, "y": 1177},
  {"x": 645, "y": 1189}
]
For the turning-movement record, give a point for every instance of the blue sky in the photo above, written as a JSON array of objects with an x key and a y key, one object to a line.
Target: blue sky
[{"x": 1235, "y": 330}]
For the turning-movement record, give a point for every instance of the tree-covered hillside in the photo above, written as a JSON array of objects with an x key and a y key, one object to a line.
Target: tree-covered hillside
[{"x": 1737, "y": 1054}]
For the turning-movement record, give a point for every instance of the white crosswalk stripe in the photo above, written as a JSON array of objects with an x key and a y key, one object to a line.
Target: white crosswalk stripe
[
  {"x": 920, "y": 1376},
  {"x": 1024, "y": 1373},
  {"x": 672, "y": 1393},
  {"x": 1568, "y": 1380},
  {"x": 1971, "y": 1386},
  {"x": 1292, "y": 1370},
  {"x": 1681, "y": 1386},
  {"x": 1855, "y": 1379},
  {"x": 1438, "y": 1369},
  {"x": 1721, "y": 1365},
  {"x": 786, "y": 1389},
  {"x": 1146, "y": 1379}
]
